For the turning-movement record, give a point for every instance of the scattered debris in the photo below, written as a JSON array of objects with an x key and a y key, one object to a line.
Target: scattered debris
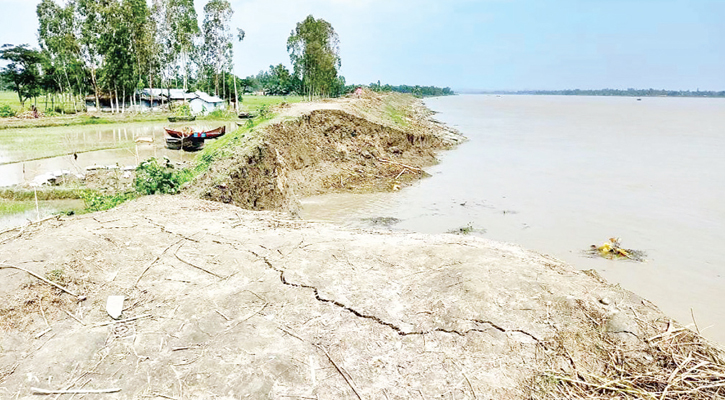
[
  {"x": 382, "y": 221},
  {"x": 465, "y": 230},
  {"x": 114, "y": 306},
  {"x": 612, "y": 250}
]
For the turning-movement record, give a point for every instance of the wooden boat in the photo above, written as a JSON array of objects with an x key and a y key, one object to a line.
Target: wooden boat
[
  {"x": 187, "y": 144},
  {"x": 182, "y": 118},
  {"x": 246, "y": 115},
  {"x": 189, "y": 134}
]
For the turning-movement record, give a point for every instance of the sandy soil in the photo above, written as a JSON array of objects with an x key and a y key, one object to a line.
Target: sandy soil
[{"x": 242, "y": 304}]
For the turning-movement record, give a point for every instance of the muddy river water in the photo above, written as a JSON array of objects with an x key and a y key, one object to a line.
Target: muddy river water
[{"x": 557, "y": 174}]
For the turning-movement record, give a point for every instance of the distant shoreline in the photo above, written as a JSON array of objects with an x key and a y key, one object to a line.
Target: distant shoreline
[{"x": 607, "y": 93}]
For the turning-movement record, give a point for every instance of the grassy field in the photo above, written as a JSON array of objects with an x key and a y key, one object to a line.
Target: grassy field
[
  {"x": 11, "y": 99},
  {"x": 249, "y": 103}
]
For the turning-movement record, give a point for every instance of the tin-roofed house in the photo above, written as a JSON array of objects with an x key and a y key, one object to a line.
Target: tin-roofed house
[{"x": 203, "y": 103}]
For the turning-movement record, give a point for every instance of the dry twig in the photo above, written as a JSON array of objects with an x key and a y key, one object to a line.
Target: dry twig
[
  {"x": 349, "y": 382},
  {"x": 6, "y": 265},
  {"x": 74, "y": 391}
]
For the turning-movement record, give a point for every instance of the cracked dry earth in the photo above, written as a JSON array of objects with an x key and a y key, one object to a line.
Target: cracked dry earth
[{"x": 238, "y": 304}]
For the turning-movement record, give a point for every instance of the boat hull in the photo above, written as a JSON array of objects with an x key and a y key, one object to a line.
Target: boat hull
[
  {"x": 179, "y": 119},
  {"x": 212, "y": 134}
]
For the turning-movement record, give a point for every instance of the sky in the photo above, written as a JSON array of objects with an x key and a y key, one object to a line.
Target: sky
[{"x": 483, "y": 44}]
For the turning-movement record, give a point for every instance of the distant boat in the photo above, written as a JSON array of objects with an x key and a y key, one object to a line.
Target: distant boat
[
  {"x": 245, "y": 115},
  {"x": 182, "y": 118},
  {"x": 638, "y": 99},
  {"x": 212, "y": 134}
]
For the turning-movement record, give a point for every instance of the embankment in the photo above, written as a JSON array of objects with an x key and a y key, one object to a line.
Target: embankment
[{"x": 377, "y": 143}]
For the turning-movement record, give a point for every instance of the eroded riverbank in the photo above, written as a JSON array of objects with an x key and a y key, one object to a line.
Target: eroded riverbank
[{"x": 284, "y": 308}]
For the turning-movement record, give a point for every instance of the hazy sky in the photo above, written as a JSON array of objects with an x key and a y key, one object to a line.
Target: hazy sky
[{"x": 485, "y": 44}]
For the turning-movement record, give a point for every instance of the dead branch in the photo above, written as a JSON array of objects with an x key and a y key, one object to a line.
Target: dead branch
[
  {"x": 339, "y": 370},
  {"x": 120, "y": 321},
  {"x": 38, "y": 336},
  {"x": 73, "y": 316},
  {"x": 470, "y": 386},
  {"x": 382, "y": 160},
  {"x": 5, "y": 265},
  {"x": 74, "y": 391},
  {"x": 155, "y": 260},
  {"x": 195, "y": 266}
]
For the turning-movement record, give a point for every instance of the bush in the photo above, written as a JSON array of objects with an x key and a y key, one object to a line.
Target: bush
[
  {"x": 221, "y": 114},
  {"x": 153, "y": 177},
  {"x": 6, "y": 111},
  {"x": 96, "y": 201},
  {"x": 182, "y": 110},
  {"x": 264, "y": 110}
]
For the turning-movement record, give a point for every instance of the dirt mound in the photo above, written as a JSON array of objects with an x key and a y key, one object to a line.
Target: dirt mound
[
  {"x": 227, "y": 303},
  {"x": 339, "y": 146}
]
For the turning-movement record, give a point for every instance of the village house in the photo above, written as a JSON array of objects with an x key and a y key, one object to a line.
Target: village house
[{"x": 154, "y": 99}]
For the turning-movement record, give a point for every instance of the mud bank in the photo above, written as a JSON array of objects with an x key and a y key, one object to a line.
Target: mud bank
[
  {"x": 233, "y": 303},
  {"x": 374, "y": 143}
]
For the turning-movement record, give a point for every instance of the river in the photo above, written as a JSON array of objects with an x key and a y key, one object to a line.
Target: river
[{"x": 557, "y": 174}]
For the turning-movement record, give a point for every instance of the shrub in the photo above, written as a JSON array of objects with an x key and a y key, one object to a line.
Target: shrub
[
  {"x": 153, "y": 177},
  {"x": 221, "y": 114},
  {"x": 96, "y": 201},
  {"x": 264, "y": 110},
  {"x": 182, "y": 110},
  {"x": 6, "y": 111}
]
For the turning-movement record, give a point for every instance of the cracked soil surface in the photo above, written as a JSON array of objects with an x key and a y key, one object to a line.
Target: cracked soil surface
[{"x": 240, "y": 304}]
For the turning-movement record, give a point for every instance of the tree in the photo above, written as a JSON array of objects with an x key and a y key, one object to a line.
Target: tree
[
  {"x": 278, "y": 81},
  {"x": 23, "y": 70},
  {"x": 183, "y": 28},
  {"x": 90, "y": 26},
  {"x": 58, "y": 42},
  {"x": 314, "y": 51},
  {"x": 218, "y": 37},
  {"x": 143, "y": 46}
]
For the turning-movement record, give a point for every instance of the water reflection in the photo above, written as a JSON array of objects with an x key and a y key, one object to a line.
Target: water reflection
[{"x": 22, "y": 151}]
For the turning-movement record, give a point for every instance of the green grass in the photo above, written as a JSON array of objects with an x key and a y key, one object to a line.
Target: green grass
[
  {"x": 10, "y": 98},
  {"x": 226, "y": 145},
  {"x": 9, "y": 208},
  {"x": 15, "y": 207},
  {"x": 254, "y": 103},
  {"x": 51, "y": 193}
]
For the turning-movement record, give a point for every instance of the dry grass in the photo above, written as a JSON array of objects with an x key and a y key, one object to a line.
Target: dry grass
[{"x": 675, "y": 363}]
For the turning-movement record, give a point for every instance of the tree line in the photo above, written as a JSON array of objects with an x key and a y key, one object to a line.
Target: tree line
[
  {"x": 113, "y": 48},
  {"x": 418, "y": 91}
]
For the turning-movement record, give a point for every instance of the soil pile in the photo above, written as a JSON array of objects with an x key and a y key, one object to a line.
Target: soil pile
[
  {"x": 376, "y": 143},
  {"x": 227, "y": 303}
]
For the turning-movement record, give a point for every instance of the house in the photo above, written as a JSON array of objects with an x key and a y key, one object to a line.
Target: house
[
  {"x": 153, "y": 99},
  {"x": 204, "y": 103}
]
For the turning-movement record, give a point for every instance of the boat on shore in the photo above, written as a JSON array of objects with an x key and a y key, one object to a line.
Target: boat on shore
[
  {"x": 182, "y": 118},
  {"x": 188, "y": 140},
  {"x": 188, "y": 133}
]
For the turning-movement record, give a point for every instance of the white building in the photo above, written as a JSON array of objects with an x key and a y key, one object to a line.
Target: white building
[{"x": 203, "y": 103}]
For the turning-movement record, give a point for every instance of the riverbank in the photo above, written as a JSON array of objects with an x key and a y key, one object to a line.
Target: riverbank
[{"x": 284, "y": 308}]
